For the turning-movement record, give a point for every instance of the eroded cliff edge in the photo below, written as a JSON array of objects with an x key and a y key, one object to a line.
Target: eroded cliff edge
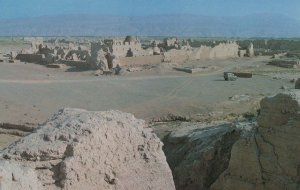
[{"x": 268, "y": 158}]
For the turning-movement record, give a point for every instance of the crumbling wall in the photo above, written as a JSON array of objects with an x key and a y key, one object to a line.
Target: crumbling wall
[
  {"x": 30, "y": 58},
  {"x": 171, "y": 43},
  {"x": 203, "y": 53},
  {"x": 176, "y": 56},
  {"x": 97, "y": 59},
  {"x": 242, "y": 53},
  {"x": 130, "y": 47},
  {"x": 225, "y": 50},
  {"x": 121, "y": 49},
  {"x": 76, "y": 55},
  {"x": 82, "y": 65},
  {"x": 140, "y": 60},
  {"x": 285, "y": 63},
  {"x": 221, "y": 51},
  {"x": 250, "y": 50}
]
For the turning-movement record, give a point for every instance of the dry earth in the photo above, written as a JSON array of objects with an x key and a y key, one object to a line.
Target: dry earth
[{"x": 30, "y": 93}]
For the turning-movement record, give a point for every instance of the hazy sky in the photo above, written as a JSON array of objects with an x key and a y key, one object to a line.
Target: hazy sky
[{"x": 33, "y": 8}]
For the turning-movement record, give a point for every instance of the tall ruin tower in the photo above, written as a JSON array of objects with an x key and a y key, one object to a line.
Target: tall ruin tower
[{"x": 250, "y": 50}]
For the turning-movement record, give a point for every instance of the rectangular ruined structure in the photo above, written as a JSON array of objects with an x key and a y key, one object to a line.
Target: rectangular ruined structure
[
  {"x": 141, "y": 60},
  {"x": 30, "y": 58},
  {"x": 109, "y": 53},
  {"x": 285, "y": 63},
  {"x": 221, "y": 51}
]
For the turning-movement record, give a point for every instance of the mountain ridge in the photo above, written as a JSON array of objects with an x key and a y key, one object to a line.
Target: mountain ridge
[{"x": 260, "y": 25}]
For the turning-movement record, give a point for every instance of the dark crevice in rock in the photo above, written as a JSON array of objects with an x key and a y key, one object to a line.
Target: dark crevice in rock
[
  {"x": 199, "y": 157},
  {"x": 58, "y": 174},
  {"x": 258, "y": 155}
]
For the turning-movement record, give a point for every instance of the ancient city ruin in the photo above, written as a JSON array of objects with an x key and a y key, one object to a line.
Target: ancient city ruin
[
  {"x": 149, "y": 95},
  {"x": 165, "y": 150},
  {"x": 111, "y": 54}
]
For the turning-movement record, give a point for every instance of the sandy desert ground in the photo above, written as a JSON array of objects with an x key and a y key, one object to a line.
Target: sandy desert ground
[{"x": 31, "y": 93}]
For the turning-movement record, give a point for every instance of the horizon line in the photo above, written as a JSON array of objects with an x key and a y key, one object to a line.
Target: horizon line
[{"x": 149, "y": 15}]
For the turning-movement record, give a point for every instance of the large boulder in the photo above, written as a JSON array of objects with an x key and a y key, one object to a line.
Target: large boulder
[
  {"x": 78, "y": 149},
  {"x": 268, "y": 159}
]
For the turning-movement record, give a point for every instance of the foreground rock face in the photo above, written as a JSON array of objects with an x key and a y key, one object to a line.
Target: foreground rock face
[
  {"x": 78, "y": 149},
  {"x": 14, "y": 176},
  {"x": 268, "y": 159},
  {"x": 198, "y": 154}
]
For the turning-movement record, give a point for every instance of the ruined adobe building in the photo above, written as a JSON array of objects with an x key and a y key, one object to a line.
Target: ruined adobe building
[
  {"x": 285, "y": 63},
  {"x": 109, "y": 53},
  {"x": 49, "y": 53},
  {"x": 171, "y": 43},
  {"x": 250, "y": 50},
  {"x": 97, "y": 58},
  {"x": 221, "y": 51},
  {"x": 101, "y": 54},
  {"x": 126, "y": 48},
  {"x": 37, "y": 53},
  {"x": 247, "y": 52}
]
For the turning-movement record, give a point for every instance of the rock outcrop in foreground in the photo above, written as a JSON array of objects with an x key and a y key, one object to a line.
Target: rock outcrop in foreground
[
  {"x": 198, "y": 153},
  {"x": 198, "y": 156},
  {"x": 268, "y": 159},
  {"x": 78, "y": 149}
]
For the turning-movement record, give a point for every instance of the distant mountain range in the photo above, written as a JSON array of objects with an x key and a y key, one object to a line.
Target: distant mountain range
[{"x": 263, "y": 25}]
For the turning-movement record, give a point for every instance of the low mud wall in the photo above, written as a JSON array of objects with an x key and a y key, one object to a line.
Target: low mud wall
[
  {"x": 30, "y": 58},
  {"x": 77, "y": 64},
  {"x": 141, "y": 60},
  {"x": 221, "y": 51}
]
